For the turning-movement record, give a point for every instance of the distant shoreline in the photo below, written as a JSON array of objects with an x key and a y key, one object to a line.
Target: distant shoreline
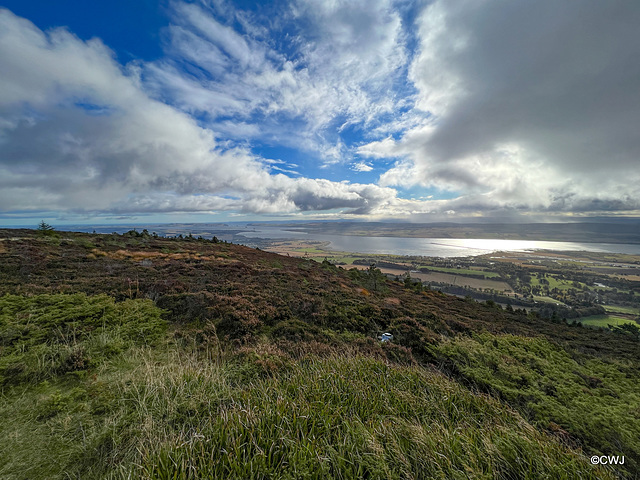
[{"x": 611, "y": 233}]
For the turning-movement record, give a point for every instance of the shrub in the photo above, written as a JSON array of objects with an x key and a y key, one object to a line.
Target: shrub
[{"x": 47, "y": 335}]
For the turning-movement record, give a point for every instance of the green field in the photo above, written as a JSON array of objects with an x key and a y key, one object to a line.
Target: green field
[
  {"x": 555, "y": 283},
  {"x": 310, "y": 250},
  {"x": 604, "y": 320},
  {"x": 337, "y": 259},
  {"x": 621, "y": 309},
  {"x": 538, "y": 298},
  {"x": 462, "y": 271}
]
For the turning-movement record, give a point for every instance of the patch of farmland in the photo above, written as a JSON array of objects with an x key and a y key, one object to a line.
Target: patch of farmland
[{"x": 604, "y": 320}]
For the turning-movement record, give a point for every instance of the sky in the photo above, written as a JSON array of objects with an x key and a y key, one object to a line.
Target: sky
[{"x": 215, "y": 110}]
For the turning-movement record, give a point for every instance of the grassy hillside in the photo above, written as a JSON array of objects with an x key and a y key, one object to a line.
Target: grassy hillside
[{"x": 140, "y": 357}]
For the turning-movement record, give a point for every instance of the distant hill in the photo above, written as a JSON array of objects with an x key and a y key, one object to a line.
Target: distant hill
[{"x": 185, "y": 358}]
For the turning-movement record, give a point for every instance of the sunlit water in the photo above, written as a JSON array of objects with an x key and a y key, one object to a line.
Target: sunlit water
[
  {"x": 437, "y": 247},
  {"x": 428, "y": 247}
]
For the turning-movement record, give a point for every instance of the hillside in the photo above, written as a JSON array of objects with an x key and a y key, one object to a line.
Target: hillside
[{"x": 132, "y": 356}]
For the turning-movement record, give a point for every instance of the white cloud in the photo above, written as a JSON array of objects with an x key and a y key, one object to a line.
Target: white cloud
[
  {"x": 337, "y": 69},
  {"x": 387, "y": 148},
  {"x": 532, "y": 106},
  {"x": 79, "y": 133},
  {"x": 361, "y": 167},
  {"x": 513, "y": 107}
]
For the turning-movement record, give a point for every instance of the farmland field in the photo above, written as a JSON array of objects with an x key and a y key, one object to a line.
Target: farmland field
[
  {"x": 449, "y": 278},
  {"x": 463, "y": 271},
  {"x": 556, "y": 283},
  {"x": 604, "y": 320},
  {"x": 621, "y": 309},
  {"x": 539, "y": 298}
]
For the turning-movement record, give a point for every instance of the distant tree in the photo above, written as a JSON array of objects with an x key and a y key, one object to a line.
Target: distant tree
[{"x": 45, "y": 229}]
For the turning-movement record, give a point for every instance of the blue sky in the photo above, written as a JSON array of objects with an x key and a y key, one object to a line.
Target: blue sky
[{"x": 213, "y": 110}]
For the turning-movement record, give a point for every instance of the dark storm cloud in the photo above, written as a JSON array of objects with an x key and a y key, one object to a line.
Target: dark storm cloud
[
  {"x": 560, "y": 77},
  {"x": 531, "y": 101}
]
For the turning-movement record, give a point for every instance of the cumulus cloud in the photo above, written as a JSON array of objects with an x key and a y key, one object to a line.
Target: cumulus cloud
[
  {"x": 78, "y": 132},
  {"x": 534, "y": 105}
]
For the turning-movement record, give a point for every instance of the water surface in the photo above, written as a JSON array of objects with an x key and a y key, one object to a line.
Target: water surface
[{"x": 436, "y": 247}]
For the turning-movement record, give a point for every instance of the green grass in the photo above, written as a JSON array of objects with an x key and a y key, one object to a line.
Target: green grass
[
  {"x": 346, "y": 259},
  {"x": 57, "y": 357},
  {"x": 555, "y": 283},
  {"x": 169, "y": 407},
  {"x": 44, "y": 336},
  {"x": 623, "y": 309},
  {"x": 352, "y": 417},
  {"x": 182, "y": 415},
  {"x": 463, "y": 271},
  {"x": 593, "y": 399},
  {"x": 604, "y": 320},
  {"x": 539, "y": 298}
]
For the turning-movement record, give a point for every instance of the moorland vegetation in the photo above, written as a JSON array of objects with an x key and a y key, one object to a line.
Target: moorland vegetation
[{"x": 137, "y": 356}]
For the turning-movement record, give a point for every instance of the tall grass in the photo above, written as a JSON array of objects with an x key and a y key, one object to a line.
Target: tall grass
[
  {"x": 341, "y": 417},
  {"x": 595, "y": 400},
  {"x": 155, "y": 408},
  {"x": 56, "y": 395}
]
